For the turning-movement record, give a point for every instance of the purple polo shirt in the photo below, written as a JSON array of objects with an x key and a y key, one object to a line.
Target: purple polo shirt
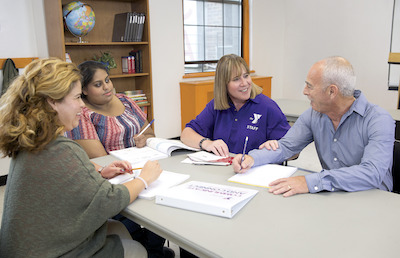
[{"x": 260, "y": 119}]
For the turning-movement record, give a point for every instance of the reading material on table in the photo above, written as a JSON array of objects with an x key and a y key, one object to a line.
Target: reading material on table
[
  {"x": 164, "y": 181},
  {"x": 262, "y": 176},
  {"x": 157, "y": 148},
  {"x": 214, "y": 199},
  {"x": 207, "y": 158}
]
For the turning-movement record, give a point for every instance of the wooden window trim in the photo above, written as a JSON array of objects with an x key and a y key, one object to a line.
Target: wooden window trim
[{"x": 245, "y": 46}]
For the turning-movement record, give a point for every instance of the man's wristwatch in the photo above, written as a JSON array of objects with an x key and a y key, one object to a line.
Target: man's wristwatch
[{"x": 201, "y": 143}]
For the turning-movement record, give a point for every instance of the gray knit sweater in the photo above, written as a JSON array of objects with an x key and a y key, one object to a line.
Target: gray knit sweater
[{"x": 56, "y": 204}]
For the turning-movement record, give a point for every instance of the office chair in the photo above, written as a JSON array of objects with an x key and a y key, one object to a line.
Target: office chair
[{"x": 396, "y": 167}]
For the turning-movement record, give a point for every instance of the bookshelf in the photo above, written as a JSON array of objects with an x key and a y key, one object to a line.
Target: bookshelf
[{"x": 99, "y": 40}]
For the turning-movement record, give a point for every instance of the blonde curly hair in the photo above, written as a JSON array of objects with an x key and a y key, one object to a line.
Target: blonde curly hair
[{"x": 28, "y": 122}]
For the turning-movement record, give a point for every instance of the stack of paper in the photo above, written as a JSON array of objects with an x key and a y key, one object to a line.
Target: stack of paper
[
  {"x": 207, "y": 158},
  {"x": 214, "y": 199},
  {"x": 164, "y": 181},
  {"x": 262, "y": 176}
]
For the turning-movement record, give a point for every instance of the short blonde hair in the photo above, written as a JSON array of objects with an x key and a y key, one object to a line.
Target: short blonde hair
[
  {"x": 227, "y": 65},
  {"x": 28, "y": 122}
]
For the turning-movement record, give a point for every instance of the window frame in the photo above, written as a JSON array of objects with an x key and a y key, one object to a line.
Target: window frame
[{"x": 245, "y": 41}]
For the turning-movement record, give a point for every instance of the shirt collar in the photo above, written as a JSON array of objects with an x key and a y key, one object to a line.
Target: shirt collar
[
  {"x": 359, "y": 106},
  {"x": 255, "y": 100}
]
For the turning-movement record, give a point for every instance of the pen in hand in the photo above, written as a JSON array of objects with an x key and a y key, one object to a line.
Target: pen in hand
[
  {"x": 244, "y": 150},
  {"x": 144, "y": 129}
]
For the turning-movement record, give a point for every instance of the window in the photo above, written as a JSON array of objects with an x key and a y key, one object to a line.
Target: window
[{"x": 212, "y": 28}]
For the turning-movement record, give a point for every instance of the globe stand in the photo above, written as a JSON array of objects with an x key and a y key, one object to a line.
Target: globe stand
[{"x": 80, "y": 40}]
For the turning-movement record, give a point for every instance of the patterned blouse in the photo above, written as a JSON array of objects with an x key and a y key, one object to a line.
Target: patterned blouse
[{"x": 114, "y": 132}]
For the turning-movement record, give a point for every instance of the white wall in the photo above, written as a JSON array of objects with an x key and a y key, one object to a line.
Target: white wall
[
  {"x": 22, "y": 30},
  {"x": 287, "y": 37},
  {"x": 166, "y": 27},
  {"x": 358, "y": 30}
]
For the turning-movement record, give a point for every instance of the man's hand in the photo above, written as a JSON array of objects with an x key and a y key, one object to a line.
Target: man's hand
[
  {"x": 289, "y": 186},
  {"x": 242, "y": 167}
]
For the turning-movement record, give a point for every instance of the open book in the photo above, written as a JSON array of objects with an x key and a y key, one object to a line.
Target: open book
[
  {"x": 214, "y": 199},
  {"x": 157, "y": 148},
  {"x": 262, "y": 176},
  {"x": 164, "y": 181}
]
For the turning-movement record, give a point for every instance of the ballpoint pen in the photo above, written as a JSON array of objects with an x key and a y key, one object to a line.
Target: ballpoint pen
[
  {"x": 244, "y": 149},
  {"x": 144, "y": 129}
]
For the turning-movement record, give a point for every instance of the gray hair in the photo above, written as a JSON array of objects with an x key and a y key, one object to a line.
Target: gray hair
[{"x": 338, "y": 71}]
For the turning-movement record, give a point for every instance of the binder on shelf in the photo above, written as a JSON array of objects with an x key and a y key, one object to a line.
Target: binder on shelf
[
  {"x": 131, "y": 26},
  {"x": 142, "y": 18},
  {"x": 128, "y": 27},
  {"x": 135, "y": 26},
  {"x": 121, "y": 27}
]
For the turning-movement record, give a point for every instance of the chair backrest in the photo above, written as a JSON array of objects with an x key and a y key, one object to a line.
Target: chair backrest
[{"x": 396, "y": 167}]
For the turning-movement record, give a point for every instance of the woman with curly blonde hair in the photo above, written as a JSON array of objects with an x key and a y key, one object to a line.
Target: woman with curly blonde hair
[{"x": 56, "y": 203}]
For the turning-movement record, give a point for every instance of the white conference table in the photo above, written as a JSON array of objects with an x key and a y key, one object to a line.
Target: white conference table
[{"x": 341, "y": 224}]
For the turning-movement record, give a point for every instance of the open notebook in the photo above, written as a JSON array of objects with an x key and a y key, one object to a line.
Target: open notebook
[
  {"x": 166, "y": 180},
  {"x": 262, "y": 176}
]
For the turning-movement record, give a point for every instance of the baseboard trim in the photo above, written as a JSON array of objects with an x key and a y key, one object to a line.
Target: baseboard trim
[{"x": 3, "y": 180}]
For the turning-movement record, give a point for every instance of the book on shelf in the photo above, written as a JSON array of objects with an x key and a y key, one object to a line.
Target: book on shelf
[
  {"x": 139, "y": 99},
  {"x": 128, "y": 64},
  {"x": 138, "y": 60},
  {"x": 262, "y": 176},
  {"x": 128, "y": 27},
  {"x": 166, "y": 180},
  {"x": 133, "y": 92},
  {"x": 144, "y": 109},
  {"x": 207, "y": 158},
  {"x": 213, "y": 199},
  {"x": 155, "y": 149}
]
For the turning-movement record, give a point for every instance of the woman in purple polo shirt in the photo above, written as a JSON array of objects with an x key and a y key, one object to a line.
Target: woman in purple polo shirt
[{"x": 237, "y": 110}]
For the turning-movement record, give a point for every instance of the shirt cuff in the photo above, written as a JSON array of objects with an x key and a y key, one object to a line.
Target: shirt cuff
[
  {"x": 314, "y": 183},
  {"x": 265, "y": 156}
]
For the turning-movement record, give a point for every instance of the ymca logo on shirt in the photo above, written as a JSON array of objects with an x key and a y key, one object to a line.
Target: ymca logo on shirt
[
  {"x": 256, "y": 117},
  {"x": 255, "y": 121}
]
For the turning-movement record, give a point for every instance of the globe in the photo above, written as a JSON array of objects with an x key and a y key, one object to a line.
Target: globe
[{"x": 79, "y": 18}]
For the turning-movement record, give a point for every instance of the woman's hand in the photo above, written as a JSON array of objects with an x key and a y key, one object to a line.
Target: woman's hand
[
  {"x": 271, "y": 144},
  {"x": 140, "y": 140},
  {"x": 116, "y": 168},
  {"x": 218, "y": 147},
  {"x": 151, "y": 171}
]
